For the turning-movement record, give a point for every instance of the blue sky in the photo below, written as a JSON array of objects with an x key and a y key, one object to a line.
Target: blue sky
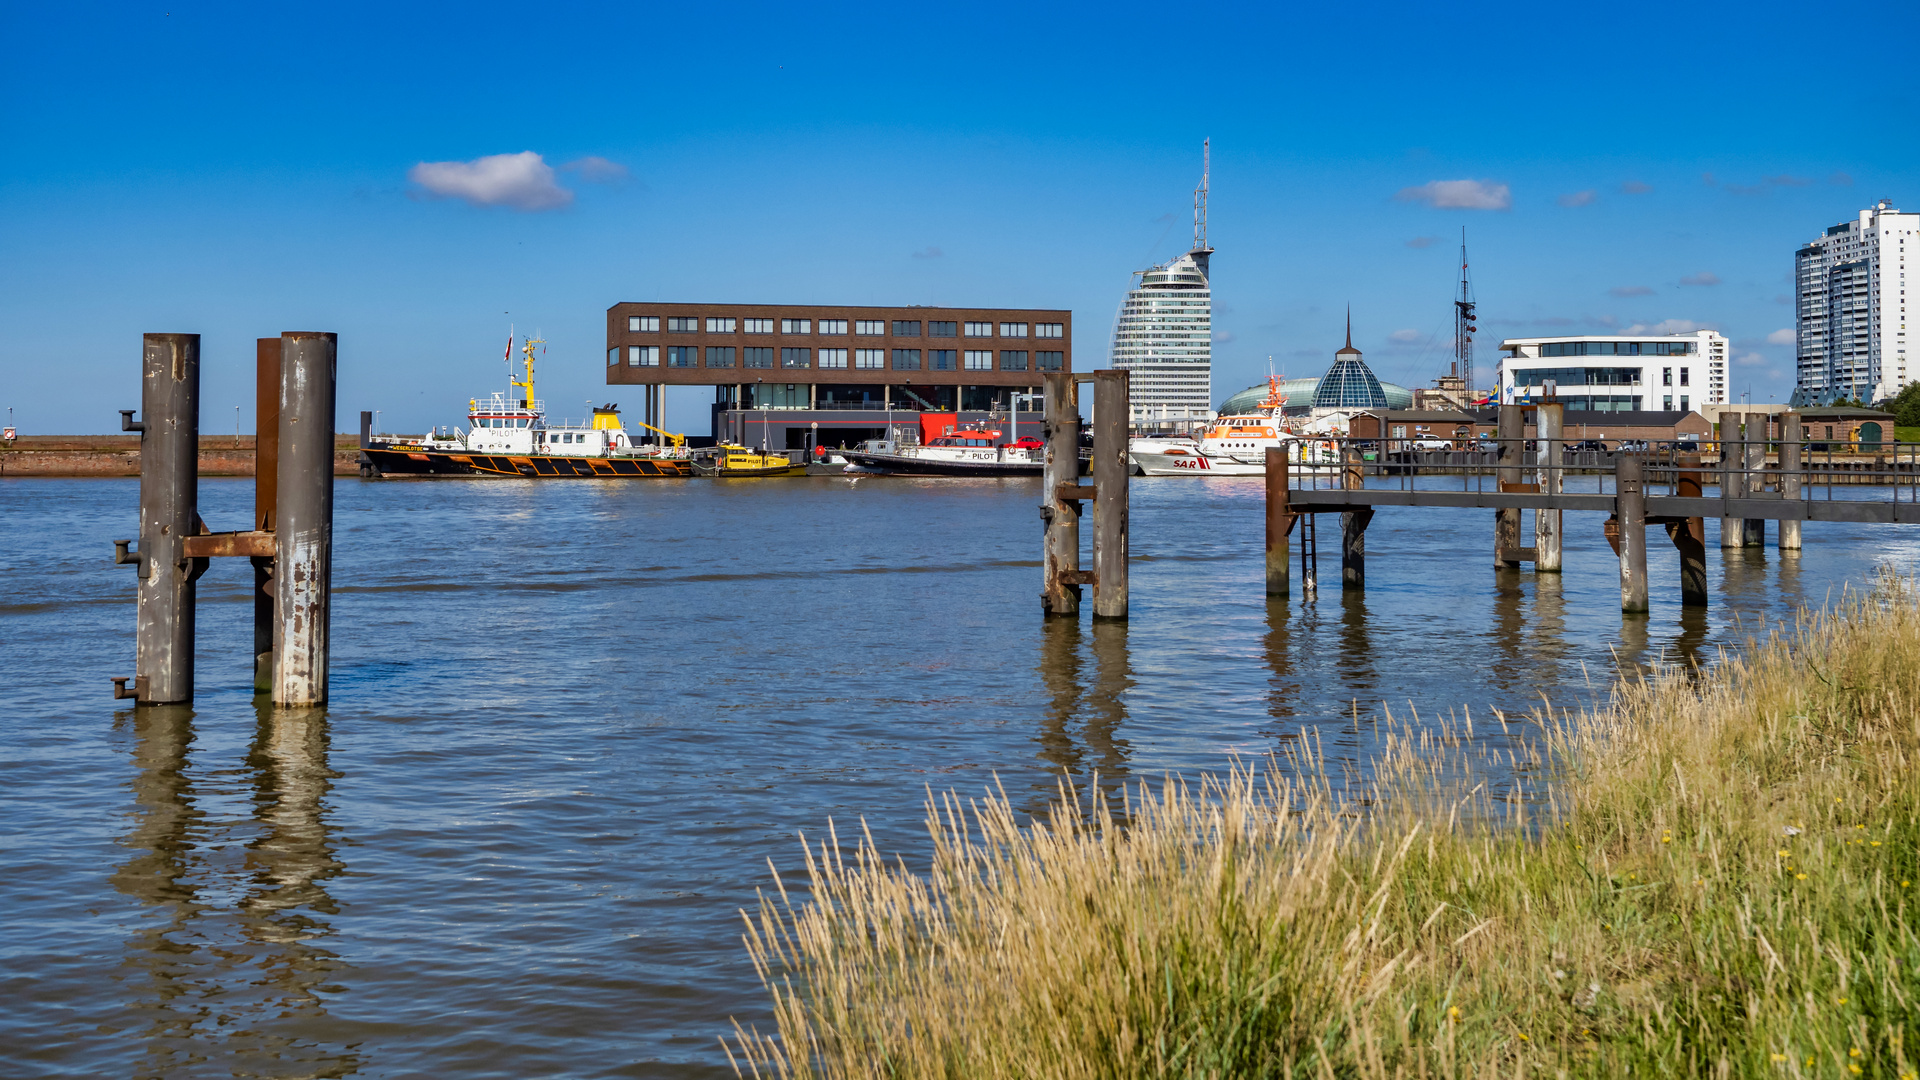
[{"x": 241, "y": 169}]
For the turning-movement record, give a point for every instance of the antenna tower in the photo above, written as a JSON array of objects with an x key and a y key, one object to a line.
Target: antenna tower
[
  {"x": 1463, "y": 327},
  {"x": 1201, "y": 251}
]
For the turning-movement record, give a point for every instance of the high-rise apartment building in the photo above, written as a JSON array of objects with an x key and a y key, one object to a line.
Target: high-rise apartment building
[
  {"x": 1850, "y": 309},
  {"x": 1617, "y": 373},
  {"x": 1164, "y": 333}
]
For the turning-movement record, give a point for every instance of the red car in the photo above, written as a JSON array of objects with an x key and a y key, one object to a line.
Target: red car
[{"x": 1028, "y": 442}]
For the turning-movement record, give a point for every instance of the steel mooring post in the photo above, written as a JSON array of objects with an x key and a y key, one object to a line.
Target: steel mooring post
[
  {"x": 303, "y": 518},
  {"x": 1792, "y": 437},
  {"x": 1110, "y": 478},
  {"x": 1353, "y": 524},
  {"x": 1506, "y": 523},
  {"x": 1059, "y": 508},
  {"x": 1279, "y": 521},
  {"x": 169, "y": 513},
  {"x": 266, "y": 477},
  {"x": 1631, "y": 500},
  {"x": 1549, "y": 424}
]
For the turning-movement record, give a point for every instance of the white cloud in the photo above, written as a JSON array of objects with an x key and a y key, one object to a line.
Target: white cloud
[
  {"x": 1579, "y": 198},
  {"x": 523, "y": 181},
  {"x": 1405, "y": 337},
  {"x": 1781, "y": 337},
  {"x": 1752, "y": 359},
  {"x": 597, "y": 170},
  {"x": 1667, "y": 326},
  {"x": 1223, "y": 336},
  {"x": 1704, "y": 277},
  {"x": 1460, "y": 195},
  {"x": 1635, "y": 187}
]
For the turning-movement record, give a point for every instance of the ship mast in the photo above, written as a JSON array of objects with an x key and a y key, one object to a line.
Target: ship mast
[
  {"x": 1463, "y": 327},
  {"x": 527, "y": 351}
]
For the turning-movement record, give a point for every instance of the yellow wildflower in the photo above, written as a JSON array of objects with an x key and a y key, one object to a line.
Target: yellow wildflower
[
  {"x": 1802, "y": 877},
  {"x": 1855, "y": 1052}
]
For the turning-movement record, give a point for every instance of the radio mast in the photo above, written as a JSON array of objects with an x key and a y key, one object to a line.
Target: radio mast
[
  {"x": 1201, "y": 252},
  {"x": 1463, "y": 327}
]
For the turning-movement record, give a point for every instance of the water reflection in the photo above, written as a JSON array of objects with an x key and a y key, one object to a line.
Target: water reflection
[
  {"x": 1285, "y": 689},
  {"x": 230, "y": 967},
  {"x": 1080, "y": 735}
]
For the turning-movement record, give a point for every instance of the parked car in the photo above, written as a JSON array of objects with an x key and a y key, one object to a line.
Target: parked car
[
  {"x": 1634, "y": 446},
  {"x": 1432, "y": 444},
  {"x": 1486, "y": 446},
  {"x": 1029, "y": 442},
  {"x": 1594, "y": 445}
]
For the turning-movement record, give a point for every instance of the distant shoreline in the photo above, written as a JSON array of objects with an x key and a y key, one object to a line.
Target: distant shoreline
[{"x": 68, "y": 456}]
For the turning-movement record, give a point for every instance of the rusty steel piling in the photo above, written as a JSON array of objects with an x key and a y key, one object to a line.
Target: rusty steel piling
[
  {"x": 1549, "y": 424},
  {"x": 1632, "y": 522},
  {"x": 1059, "y": 498},
  {"x": 169, "y": 514},
  {"x": 1110, "y": 479},
  {"x": 266, "y": 476},
  {"x": 303, "y": 518},
  {"x": 1510, "y": 432}
]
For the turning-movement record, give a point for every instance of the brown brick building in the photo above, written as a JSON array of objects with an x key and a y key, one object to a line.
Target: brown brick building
[{"x": 782, "y": 371}]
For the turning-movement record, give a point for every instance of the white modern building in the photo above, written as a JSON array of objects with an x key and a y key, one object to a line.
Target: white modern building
[
  {"x": 1850, "y": 309},
  {"x": 1617, "y": 372},
  {"x": 1164, "y": 337},
  {"x": 1163, "y": 333}
]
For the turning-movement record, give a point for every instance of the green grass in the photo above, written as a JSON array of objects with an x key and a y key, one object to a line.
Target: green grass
[
  {"x": 1907, "y": 434},
  {"x": 1714, "y": 876}
]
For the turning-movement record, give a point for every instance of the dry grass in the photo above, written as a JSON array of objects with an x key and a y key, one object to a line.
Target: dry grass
[{"x": 1720, "y": 887}]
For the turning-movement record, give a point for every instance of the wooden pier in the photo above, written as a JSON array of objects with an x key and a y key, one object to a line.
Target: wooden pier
[{"x": 1664, "y": 487}]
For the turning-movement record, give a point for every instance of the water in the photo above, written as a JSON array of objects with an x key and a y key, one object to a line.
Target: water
[{"x": 572, "y": 722}]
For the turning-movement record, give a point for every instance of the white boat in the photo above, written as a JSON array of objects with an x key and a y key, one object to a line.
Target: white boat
[
  {"x": 1233, "y": 445},
  {"x": 960, "y": 452}
]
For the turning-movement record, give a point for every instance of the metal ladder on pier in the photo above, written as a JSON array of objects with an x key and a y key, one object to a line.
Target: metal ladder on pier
[{"x": 1309, "y": 555}]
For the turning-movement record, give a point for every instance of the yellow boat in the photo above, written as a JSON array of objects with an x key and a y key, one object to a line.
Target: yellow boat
[{"x": 729, "y": 460}]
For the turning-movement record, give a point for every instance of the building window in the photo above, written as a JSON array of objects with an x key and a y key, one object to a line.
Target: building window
[
  {"x": 758, "y": 326},
  {"x": 870, "y": 358},
  {"x": 943, "y": 329},
  {"x": 1684, "y": 407},
  {"x": 794, "y": 358},
  {"x": 979, "y": 329},
  {"x": 682, "y": 324},
  {"x": 906, "y": 359},
  {"x": 1666, "y": 376},
  {"x": 833, "y": 358},
  {"x": 1013, "y": 359},
  {"x": 720, "y": 355},
  {"x": 797, "y": 326},
  {"x": 1049, "y": 361},
  {"x": 1050, "y": 329},
  {"x": 1684, "y": 372},
  {"x": 643, "y": 356},
  {"x": 720, "y": 326},
  {"x": 979, "y": 359},
  {"x": 682, "y": 356},
  {"x": 643, "y": 324},
  {"x": 906, "y": 328},
  {"x": 940, "y": 359},
  {"x": 1013, "y": 329},
  {"x": 870, "y": 327},
  {"x": 1666, "y": 402},
  {"x": 832, "y": 326},
  {"x": 613, "y": 356},
  {"x": 755, "y": 357}
]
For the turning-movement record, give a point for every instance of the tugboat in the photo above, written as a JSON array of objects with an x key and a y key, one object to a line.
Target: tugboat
[{"x": 509, "y": 435}]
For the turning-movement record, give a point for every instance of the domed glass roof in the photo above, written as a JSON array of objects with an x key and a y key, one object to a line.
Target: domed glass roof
[{"x": 1349, "y": 384}]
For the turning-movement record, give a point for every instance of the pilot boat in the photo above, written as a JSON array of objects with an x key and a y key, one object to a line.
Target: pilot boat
[
  {"x": 729, "y": 461},
  {"x": 957, "y": 452},
  {"x": 508, "y": 434}
]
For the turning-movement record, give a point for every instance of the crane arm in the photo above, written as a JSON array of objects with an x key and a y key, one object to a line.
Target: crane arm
[{"x": 677, "y": 440}]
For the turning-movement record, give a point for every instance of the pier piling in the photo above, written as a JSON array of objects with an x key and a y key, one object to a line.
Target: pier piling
[
  {"x": 1509, "y": 436},
  {"x": 1353, "y": 525},
  {"x": 1631, "y": 516},
  {"x": 1060, "y": 505},
  {"x": 1549, "y": 425},
  {"x": 266, "y": 477},
  {"x": 1753, "y": 531},
  {"x": 1110, "y": 479},
  {"x": 169, "y": 513},
  {"x": 1689, "y": 535},
  {"x": 1733, "y": 477},
  {"x": 1792, "y": 439},
  {"x": 1279, "y": 522},
  {"x": 303, "y": 533}
]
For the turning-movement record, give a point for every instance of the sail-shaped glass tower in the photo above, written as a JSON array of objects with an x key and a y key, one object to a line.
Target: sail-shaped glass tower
[{"x": 1164, "y": 333}]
